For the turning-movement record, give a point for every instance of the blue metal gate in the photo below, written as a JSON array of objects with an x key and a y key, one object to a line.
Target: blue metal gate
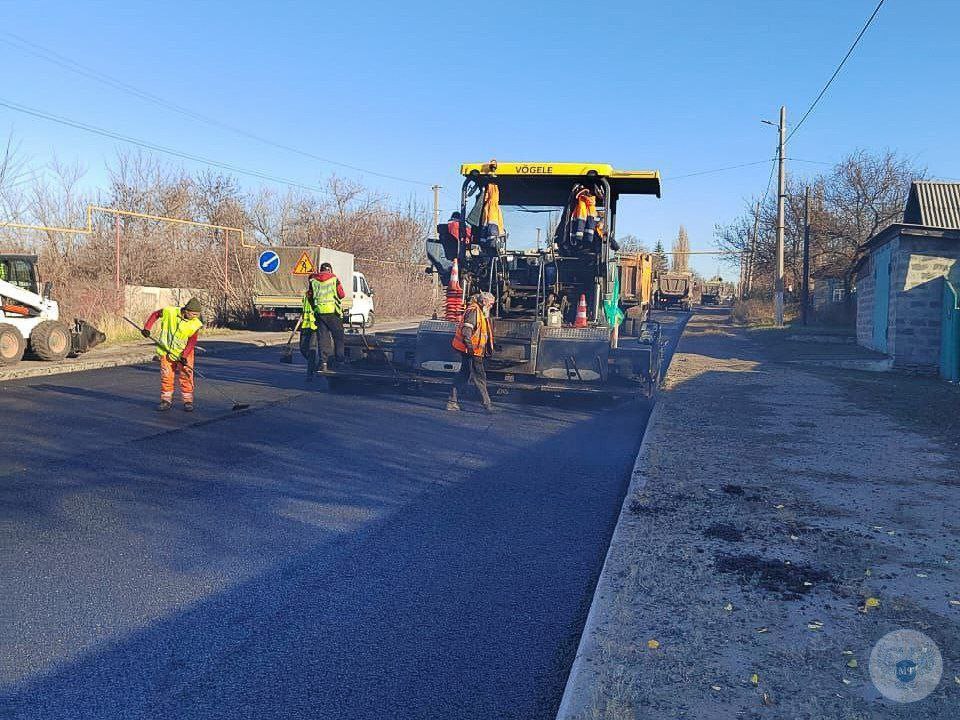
[
  {"x": 881, "y": 297},
  {"x": 950, "y": 333}
]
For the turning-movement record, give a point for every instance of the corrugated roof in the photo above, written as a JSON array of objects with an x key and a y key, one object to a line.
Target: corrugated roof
[{"x": 934, "y": 204}]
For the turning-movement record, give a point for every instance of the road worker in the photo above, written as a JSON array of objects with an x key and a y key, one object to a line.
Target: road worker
[
  {"x": 491, "y": 218},
  {"x": 325, "y": 294},
  {"x": 309, "y": 338},
  {"x": 474, "y": 341},
  {"x": 176, "y": 341}
]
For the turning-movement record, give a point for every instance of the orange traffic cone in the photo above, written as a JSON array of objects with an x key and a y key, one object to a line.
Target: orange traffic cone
[
  {"x": 581, "y": 320},
  {"x": 453, "y": 309},
  {"x": 455, "y": 278}
]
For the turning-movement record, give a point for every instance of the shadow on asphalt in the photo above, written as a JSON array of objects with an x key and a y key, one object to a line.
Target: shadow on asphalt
[{"x": 466, "y": 601}]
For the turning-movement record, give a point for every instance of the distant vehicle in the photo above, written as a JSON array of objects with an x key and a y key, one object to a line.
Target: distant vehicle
[
  {"x": 281, "y": 279},
  {"x": 713, "y": 292},
  {"x": 675, "y": 290},
  {"x": 636, "y": 285},
  {"x": 30, "y": 320}
]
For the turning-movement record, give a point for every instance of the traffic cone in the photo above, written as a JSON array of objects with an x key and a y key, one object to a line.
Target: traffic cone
[
  {"x": 581, "y": 320},
  {"x": 455, "y": 278},
  {"x": 453, "y": 310}
]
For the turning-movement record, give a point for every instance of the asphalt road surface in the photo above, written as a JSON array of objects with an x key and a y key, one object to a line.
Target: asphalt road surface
[{"x": 323, "y": 555}]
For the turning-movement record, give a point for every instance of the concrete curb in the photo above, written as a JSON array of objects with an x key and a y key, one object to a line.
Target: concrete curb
[
  {"x": 578, "y": 691},
  {"x": 580, "y": 687}
]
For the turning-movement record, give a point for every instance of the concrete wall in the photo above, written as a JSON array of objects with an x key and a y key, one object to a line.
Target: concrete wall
[
  {"x": 922, "y": 265},
  {"x": 139, "y": 300}
]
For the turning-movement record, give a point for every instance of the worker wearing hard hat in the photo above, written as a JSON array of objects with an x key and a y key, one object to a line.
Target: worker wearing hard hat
[
  {"x": 325, "y": 294},
  {"x": 176, "y": 341},
  {"x": 474, "y": 341}
]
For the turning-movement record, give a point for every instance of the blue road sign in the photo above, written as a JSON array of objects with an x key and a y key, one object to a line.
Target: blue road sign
[{"x": 269, "y": 262}]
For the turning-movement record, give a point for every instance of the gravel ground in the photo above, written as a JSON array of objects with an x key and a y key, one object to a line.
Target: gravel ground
[{"x": 768, "y": 505}]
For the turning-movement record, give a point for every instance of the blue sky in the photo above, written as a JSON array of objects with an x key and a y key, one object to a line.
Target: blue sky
[{"x": 413, "y": 89}]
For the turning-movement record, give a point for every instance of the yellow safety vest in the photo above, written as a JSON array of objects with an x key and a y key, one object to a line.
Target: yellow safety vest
[
  {"x": 175, "y": 331},
  {"x": 308, "y": 320},
  {"x": 325, "y": 298}
]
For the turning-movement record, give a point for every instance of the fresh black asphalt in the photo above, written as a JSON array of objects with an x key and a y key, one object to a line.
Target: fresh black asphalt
[{"x": 324, "y": 555}]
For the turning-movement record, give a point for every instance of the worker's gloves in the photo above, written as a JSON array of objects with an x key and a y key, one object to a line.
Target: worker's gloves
[{"x": 145, "y": 333}]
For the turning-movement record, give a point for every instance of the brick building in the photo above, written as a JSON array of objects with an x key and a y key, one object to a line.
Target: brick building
[{"x": 905, "y": 280}]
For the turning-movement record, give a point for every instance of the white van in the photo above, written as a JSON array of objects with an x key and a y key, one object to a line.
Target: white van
[{"x": 361, "y": 312}]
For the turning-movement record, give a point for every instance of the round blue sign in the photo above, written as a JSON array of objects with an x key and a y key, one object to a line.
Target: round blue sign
[{"x": 269, "y": 262}]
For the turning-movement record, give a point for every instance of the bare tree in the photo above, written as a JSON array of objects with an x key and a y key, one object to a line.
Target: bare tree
[
  {"x": 681, "y": 251},
  {"x": 856, "y": 199}
]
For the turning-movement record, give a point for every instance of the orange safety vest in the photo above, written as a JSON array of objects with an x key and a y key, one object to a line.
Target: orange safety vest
[{"x": 482, "y": 334}]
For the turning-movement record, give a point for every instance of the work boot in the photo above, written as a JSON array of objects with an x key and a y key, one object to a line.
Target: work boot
[
  {"x": 489, "y": 409},
  {"x": 164, "y": 405},
  {"x": 188, "y": 407},
  {"x": 453, "y": 406}
]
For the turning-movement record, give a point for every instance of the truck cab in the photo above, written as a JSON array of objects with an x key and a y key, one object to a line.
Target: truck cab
[{"x": 361, "y": 311}]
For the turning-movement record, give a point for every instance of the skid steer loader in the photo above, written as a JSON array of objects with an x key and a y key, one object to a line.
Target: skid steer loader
[{"x": 30, "y": 320}]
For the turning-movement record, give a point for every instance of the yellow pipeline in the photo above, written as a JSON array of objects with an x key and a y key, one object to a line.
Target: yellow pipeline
[{"x": 88, "y": 230}]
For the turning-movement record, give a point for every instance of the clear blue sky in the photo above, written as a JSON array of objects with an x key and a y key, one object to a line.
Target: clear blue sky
[{"x": 415, "y": 88}]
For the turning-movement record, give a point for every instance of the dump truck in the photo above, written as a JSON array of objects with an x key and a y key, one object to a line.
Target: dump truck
[
  {"x": 636, "y": 286},
  {"x": 538, "y": 286},
  {"x": 30, "y": 320},
  {"x": 713, "y": 291},
  {"x": 280, "y": 280},
  {"x": 675, "y": 290}
]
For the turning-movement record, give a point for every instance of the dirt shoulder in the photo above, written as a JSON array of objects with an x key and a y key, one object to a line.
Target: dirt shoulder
[{"x": 781, "y": 521}]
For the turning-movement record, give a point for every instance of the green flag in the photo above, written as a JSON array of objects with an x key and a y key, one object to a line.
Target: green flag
[{"x": 611, "y": 307}]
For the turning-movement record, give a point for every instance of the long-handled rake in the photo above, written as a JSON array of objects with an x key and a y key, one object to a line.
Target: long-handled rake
[
  {"x": 287, "y": 356},
  {"x": 237, "y": 406}
]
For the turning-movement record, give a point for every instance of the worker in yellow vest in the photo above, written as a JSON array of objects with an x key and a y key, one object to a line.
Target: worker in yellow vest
[
  {"x": 176, "y": 341},
  {"x": 474, "y": 341},
  {"x": 309, "y": 338},
  {"x": 325, "y": 294}
]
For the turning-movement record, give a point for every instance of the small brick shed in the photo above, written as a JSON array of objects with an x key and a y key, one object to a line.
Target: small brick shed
[{"x": 902, "y": 280}]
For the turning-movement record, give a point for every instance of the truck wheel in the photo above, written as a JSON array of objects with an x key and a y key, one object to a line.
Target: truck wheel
[
  {"x": 50, "y": 340},
  {"x": 12, "y": 344}
]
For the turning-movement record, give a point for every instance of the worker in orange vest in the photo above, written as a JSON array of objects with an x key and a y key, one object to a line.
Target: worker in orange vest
[{"x": 474, "y": 341}]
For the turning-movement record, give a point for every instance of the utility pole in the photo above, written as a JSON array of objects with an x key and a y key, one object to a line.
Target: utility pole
[
  {"x": 435, "y": 234},
  {"x": 805, "y": 307},
  {"x": 436, "y": 206},
  {"x": 781, "y": 193},
  {"x": 753, "y": 250},
  {"x": 538, "y": 239}
]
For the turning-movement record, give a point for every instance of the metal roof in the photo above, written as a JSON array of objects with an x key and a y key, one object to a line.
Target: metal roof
[{"x": 934, "y": 204}]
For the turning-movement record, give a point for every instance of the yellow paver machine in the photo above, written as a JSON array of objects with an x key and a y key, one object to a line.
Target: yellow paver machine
[{"x": 541, "y": 237}]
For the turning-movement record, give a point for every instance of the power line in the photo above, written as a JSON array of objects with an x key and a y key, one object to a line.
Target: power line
[
  {"x": 715, "y": 170},
  {"x": 75, "y": 67},
  {"x": 153, "y": 146},
  {"x": 837, "y": 71}
]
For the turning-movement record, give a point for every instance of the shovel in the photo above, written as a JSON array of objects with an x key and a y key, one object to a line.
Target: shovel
[
  {"x": 287, "y": 356},
  {"x": 237, "y": 406}
]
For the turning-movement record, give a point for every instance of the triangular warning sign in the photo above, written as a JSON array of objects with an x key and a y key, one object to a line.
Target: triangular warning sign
[{"x": 304, "y": 265}]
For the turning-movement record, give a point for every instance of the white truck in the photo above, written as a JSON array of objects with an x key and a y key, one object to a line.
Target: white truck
[
  {"x": 30, "y": 320},
  {"x": 281, "y": 279}
]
